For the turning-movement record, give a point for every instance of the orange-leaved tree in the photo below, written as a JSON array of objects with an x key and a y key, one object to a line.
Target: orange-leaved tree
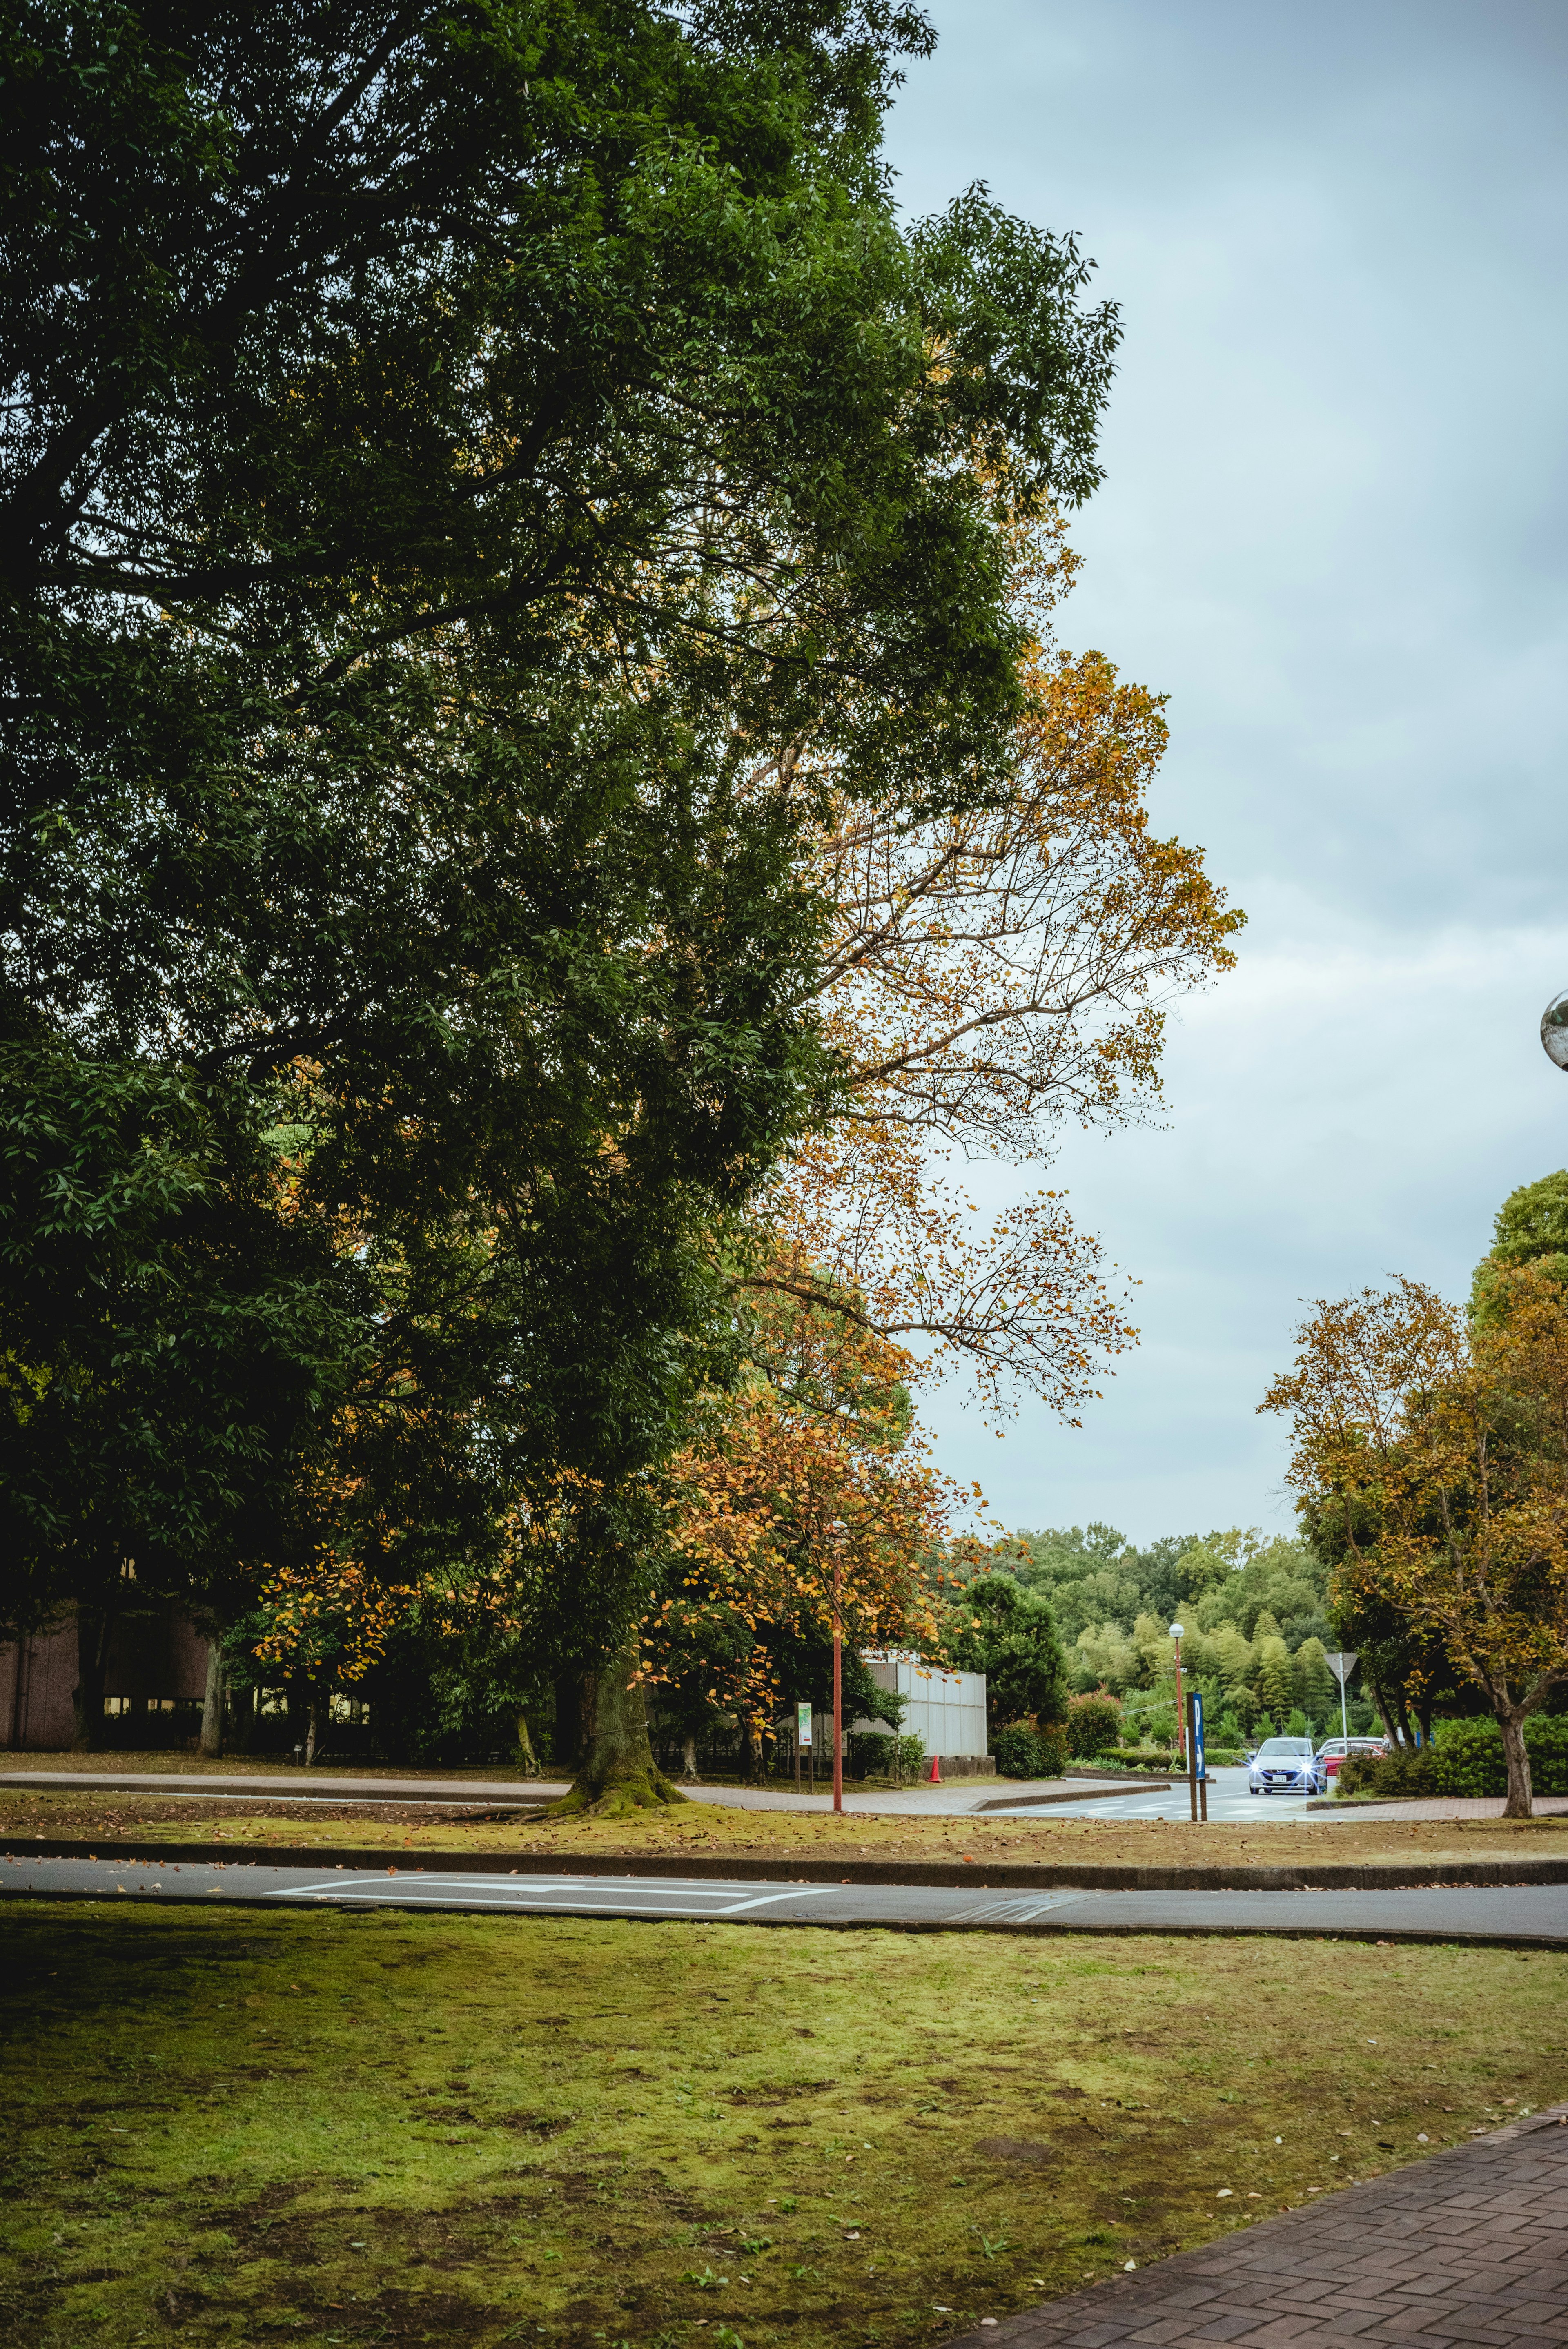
[
  {"x": 807, "y": 1502},
  {"x": 991, "y": 973},
  {"x": 324, "y": 1622},
  {"x": 1434, "y": 1452}
]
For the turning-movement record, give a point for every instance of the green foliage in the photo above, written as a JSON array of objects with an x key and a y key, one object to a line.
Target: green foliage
[
  {"x": 1275, "y": 1685},
  {"x": 164, "y": 1332},
  {"x": 1532, "y": 1227},
  {"x": 1020, "y": 1752},
  {"x": 1008, "y": 1633},
  {"x": 400, "y": 726},
  {"x": 870, "y": 1754},
  {"x": 1093, "y": 1725},
  {"x": 1099, "y": 1586},
  {"x": 1316, "y": 1689},
  {"x": 1463, "y": 1757}
]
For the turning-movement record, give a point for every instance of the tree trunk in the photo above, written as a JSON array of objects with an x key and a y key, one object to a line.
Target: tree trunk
[
  {"x": 688, "y": 1755},
  {"x": 1517, "y": 1755},
  {"x": 1385, "y": 1711},
  {"x": 243, "y": 1720},
  {"x": 94, "y": 1625},
  {"x": 529, "y": 1758},
  {"x": 618, "y": 1772},
  {"x": 315, "y": 1733},
  {"x": 574, "y": 1735},
  {"x": 212, "y": 1703}
]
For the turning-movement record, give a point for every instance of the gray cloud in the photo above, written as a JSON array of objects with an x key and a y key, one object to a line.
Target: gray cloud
[{"x": 1333, "y": 532}]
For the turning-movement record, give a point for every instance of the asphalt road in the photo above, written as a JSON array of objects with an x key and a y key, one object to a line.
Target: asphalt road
[
  {"x": 1229, "y": 1802},
  {"x": 1534, "y": 1915}
]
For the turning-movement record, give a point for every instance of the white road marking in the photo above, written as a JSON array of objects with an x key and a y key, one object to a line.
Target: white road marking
[
  {"x": 549, "y": 1892},
  {"x": 1018, "y": 1912}
]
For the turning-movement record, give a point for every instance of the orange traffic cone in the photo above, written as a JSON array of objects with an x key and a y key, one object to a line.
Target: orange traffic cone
[{"x": 933, "y": 1776}]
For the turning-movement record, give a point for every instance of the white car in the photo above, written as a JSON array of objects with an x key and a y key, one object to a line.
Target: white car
[{"x": 1286, "y": 1765}]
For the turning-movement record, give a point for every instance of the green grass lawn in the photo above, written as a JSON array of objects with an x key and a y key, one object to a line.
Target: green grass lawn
[{"x": 246, "y": 2127}]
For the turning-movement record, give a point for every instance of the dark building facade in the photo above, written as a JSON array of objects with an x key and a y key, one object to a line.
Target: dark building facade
[{"x": 156, "y": 1680}]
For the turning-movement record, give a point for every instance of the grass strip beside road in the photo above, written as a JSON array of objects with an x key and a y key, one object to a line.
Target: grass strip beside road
[
  {"x": 335, "y": 2129},
  {"x": 709, "y": 1830}
]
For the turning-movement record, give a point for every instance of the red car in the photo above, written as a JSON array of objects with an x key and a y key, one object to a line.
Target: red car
[{"x": 1332, "y": 1751}]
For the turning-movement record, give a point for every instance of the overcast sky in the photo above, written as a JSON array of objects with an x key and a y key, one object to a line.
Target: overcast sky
[{"x": 1333, "y": 532}]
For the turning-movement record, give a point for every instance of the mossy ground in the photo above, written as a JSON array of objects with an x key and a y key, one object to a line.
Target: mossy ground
[
  {"x": 710, "y": 1829},
  {"x": 252, "y": 2128}
]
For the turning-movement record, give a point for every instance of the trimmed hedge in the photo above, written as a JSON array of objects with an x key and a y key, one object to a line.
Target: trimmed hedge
[
  {"x": 1162, "y": 1758},
  {"x": 1093, "y": 1726},
  {"x": 1020, "y": 1752},
  {"x": 871, "y": 1755},
  {"x": 1465, "y": 1757}
]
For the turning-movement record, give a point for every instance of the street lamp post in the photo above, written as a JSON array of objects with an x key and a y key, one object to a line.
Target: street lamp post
[
  {"x": 1554, "y": 1030},
  {"x": 1176, "y": 1632}
]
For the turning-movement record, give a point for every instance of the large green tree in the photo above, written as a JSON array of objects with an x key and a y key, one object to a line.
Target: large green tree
[
  {"x": 999, "y": 1627},
  {"x": 1531, "y": 1228},
  {"x": 451, "y": 454}
]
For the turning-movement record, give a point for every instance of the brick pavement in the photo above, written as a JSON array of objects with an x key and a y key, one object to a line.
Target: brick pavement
[{"x": 1469, "y": 2247}]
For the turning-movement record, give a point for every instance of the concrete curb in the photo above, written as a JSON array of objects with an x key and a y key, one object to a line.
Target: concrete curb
[
  {"x": 1396, "y": 1877},
  {"x": 1074, "y": 1794}
]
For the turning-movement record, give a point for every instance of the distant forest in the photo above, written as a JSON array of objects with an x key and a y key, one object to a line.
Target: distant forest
[{"x": 1254, "y": 1612}]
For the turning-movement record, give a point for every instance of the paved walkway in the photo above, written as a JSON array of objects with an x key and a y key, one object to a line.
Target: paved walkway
[
  {"x": 1533, "y": 1916},
  {"x": 1469, "y": 2247},
  {"x": 1444, "y": 1806}
]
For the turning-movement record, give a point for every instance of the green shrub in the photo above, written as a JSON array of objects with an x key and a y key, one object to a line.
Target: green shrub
[
  {"x": 1468, "y": 1756},
  {"x": 1020, "y": 1752},
  {"x": 1405, "y": 1770},
  {"x": 873, "y": 1754},
  {"x": 1013, "y": 1751},
  {"x": 1093, "y": 1725},
  {"x": 1465, "y": 1757}
]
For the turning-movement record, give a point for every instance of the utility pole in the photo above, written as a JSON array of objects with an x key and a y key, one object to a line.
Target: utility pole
[{"x": 838, "y": 1687}]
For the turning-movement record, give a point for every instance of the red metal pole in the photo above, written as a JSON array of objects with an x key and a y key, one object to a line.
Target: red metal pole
[{"x": 838, "y": 1698}]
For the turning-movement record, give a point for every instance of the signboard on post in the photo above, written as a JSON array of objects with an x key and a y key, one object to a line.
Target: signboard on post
[
  {"x": 1341, "y": 1663},
  {"x": 803, "y": 1745},
  {"x": 1197, "y": 1780}
]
